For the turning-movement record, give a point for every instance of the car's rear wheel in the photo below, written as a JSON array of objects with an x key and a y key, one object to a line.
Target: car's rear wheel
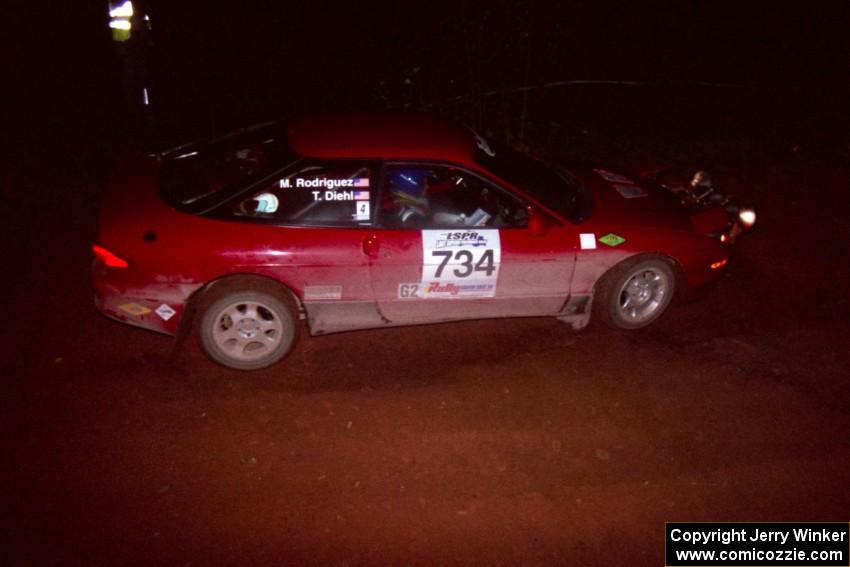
[
  {"x": 247, "y": 330},
  {"x": 636, "y": 293}
]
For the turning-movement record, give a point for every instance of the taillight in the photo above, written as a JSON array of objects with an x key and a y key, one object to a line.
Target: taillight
[{"x": 108, "y": 258}]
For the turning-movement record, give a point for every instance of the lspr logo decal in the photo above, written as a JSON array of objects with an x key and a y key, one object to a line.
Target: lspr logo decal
[{"x": 463, "y": 238}]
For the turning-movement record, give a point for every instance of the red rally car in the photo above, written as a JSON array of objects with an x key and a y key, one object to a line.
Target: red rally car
[{"x": 355, "y": 222}]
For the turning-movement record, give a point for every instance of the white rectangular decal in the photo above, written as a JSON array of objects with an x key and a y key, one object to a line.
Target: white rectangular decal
[
  {"x": 322, "y": 292},
  {"x": 361, "y": 210},
  {"x": 460, "y": 263},
  {"x": 587, "y": 240}
]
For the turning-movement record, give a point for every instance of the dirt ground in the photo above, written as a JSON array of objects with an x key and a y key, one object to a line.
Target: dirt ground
[{"x": 516, "y": 442}]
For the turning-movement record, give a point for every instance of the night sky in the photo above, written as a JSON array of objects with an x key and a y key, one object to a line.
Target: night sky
[{"x": 213, "y": 65}]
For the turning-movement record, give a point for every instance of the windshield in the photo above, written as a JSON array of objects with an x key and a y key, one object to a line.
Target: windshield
[
  {"x": 555, "y": 188},
  {"x": 195, "y": 176}
]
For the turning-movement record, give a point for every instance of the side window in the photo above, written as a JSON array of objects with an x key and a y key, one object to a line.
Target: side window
[
  {"x": 329, "y": 194},
  {"x": 424, "y": 196}
]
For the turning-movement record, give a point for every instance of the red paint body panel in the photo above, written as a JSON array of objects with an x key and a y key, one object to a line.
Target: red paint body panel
[{"x": 173, "y": 254}]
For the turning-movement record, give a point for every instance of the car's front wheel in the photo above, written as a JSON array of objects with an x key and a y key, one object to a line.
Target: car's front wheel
[
  {"x": 636, "y": 293},
  {"x": 247, "y": 330}
]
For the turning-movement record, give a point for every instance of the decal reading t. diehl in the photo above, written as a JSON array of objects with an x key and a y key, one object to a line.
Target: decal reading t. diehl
[
  {"x": 338, "y": 195},
  {"x": 459, "y": 263}
]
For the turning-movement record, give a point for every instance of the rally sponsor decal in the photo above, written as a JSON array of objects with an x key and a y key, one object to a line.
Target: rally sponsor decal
[
  {"x": 459, "y": 289},
  {"x": 322, "y": 292},
  {"x": 612, "y": 239},
  {"x": 165, "y": 312},
  {"x": 457, "y": 264},
  {"x": 134, "y": 309},
  {"x": 446, "y": 290}
]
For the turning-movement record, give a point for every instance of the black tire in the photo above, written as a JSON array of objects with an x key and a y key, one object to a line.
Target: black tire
[
  {"x": 636, "y": 293},
  {"x": 248, "y": 329}
]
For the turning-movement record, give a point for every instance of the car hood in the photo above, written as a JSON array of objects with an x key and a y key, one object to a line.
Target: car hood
[{"x": 622, "y": 201}]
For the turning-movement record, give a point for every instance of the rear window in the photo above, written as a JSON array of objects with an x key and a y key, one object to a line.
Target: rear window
[
  {"x": 201, "y": 175},
  {"x": 336, "y": 193}
]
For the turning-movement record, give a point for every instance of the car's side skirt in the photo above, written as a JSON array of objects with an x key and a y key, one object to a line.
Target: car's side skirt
[{"x": 326, "y": 317}]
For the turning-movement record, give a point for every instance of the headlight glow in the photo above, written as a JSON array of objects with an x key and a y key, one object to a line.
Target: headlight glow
[{"x": 747, "y": 217}]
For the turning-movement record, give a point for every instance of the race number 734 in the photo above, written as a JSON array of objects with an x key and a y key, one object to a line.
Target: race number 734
[
  {"x": 465, "y": 261},
  {"x": 461, "y": 255}
]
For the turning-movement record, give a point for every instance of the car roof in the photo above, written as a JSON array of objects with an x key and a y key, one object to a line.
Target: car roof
[{"x": 381, "y": 136}]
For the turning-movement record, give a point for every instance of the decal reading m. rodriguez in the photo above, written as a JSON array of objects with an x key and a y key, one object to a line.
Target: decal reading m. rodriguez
[{"x": 323, "y": 182}]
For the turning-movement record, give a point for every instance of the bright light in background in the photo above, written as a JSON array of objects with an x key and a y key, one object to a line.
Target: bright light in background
[
  {"x": 748, "y": 217},
  {"x": 125, "y": 10},
  {"x": 120, "y": 25},
  {"x": 120, "y": 20}
]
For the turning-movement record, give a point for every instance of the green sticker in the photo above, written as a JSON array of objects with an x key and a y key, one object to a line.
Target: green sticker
[{"x": 612, "y": 239}]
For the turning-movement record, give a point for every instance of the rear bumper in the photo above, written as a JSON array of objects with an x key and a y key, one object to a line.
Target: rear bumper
[
  {"x": 137, "y": 312},
  {"x": 157, "y": 307}
]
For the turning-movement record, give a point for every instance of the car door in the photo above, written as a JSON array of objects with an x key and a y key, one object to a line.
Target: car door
[
  {"x": 309, "y": 224},
  {"x": 453, "y": 245}
]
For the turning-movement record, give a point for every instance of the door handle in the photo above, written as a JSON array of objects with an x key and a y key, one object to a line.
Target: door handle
[{"x": 371, "y": 246}]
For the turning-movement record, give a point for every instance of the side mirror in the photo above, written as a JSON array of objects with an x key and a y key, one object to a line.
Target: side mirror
[{"x": 538, "y": 222}]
